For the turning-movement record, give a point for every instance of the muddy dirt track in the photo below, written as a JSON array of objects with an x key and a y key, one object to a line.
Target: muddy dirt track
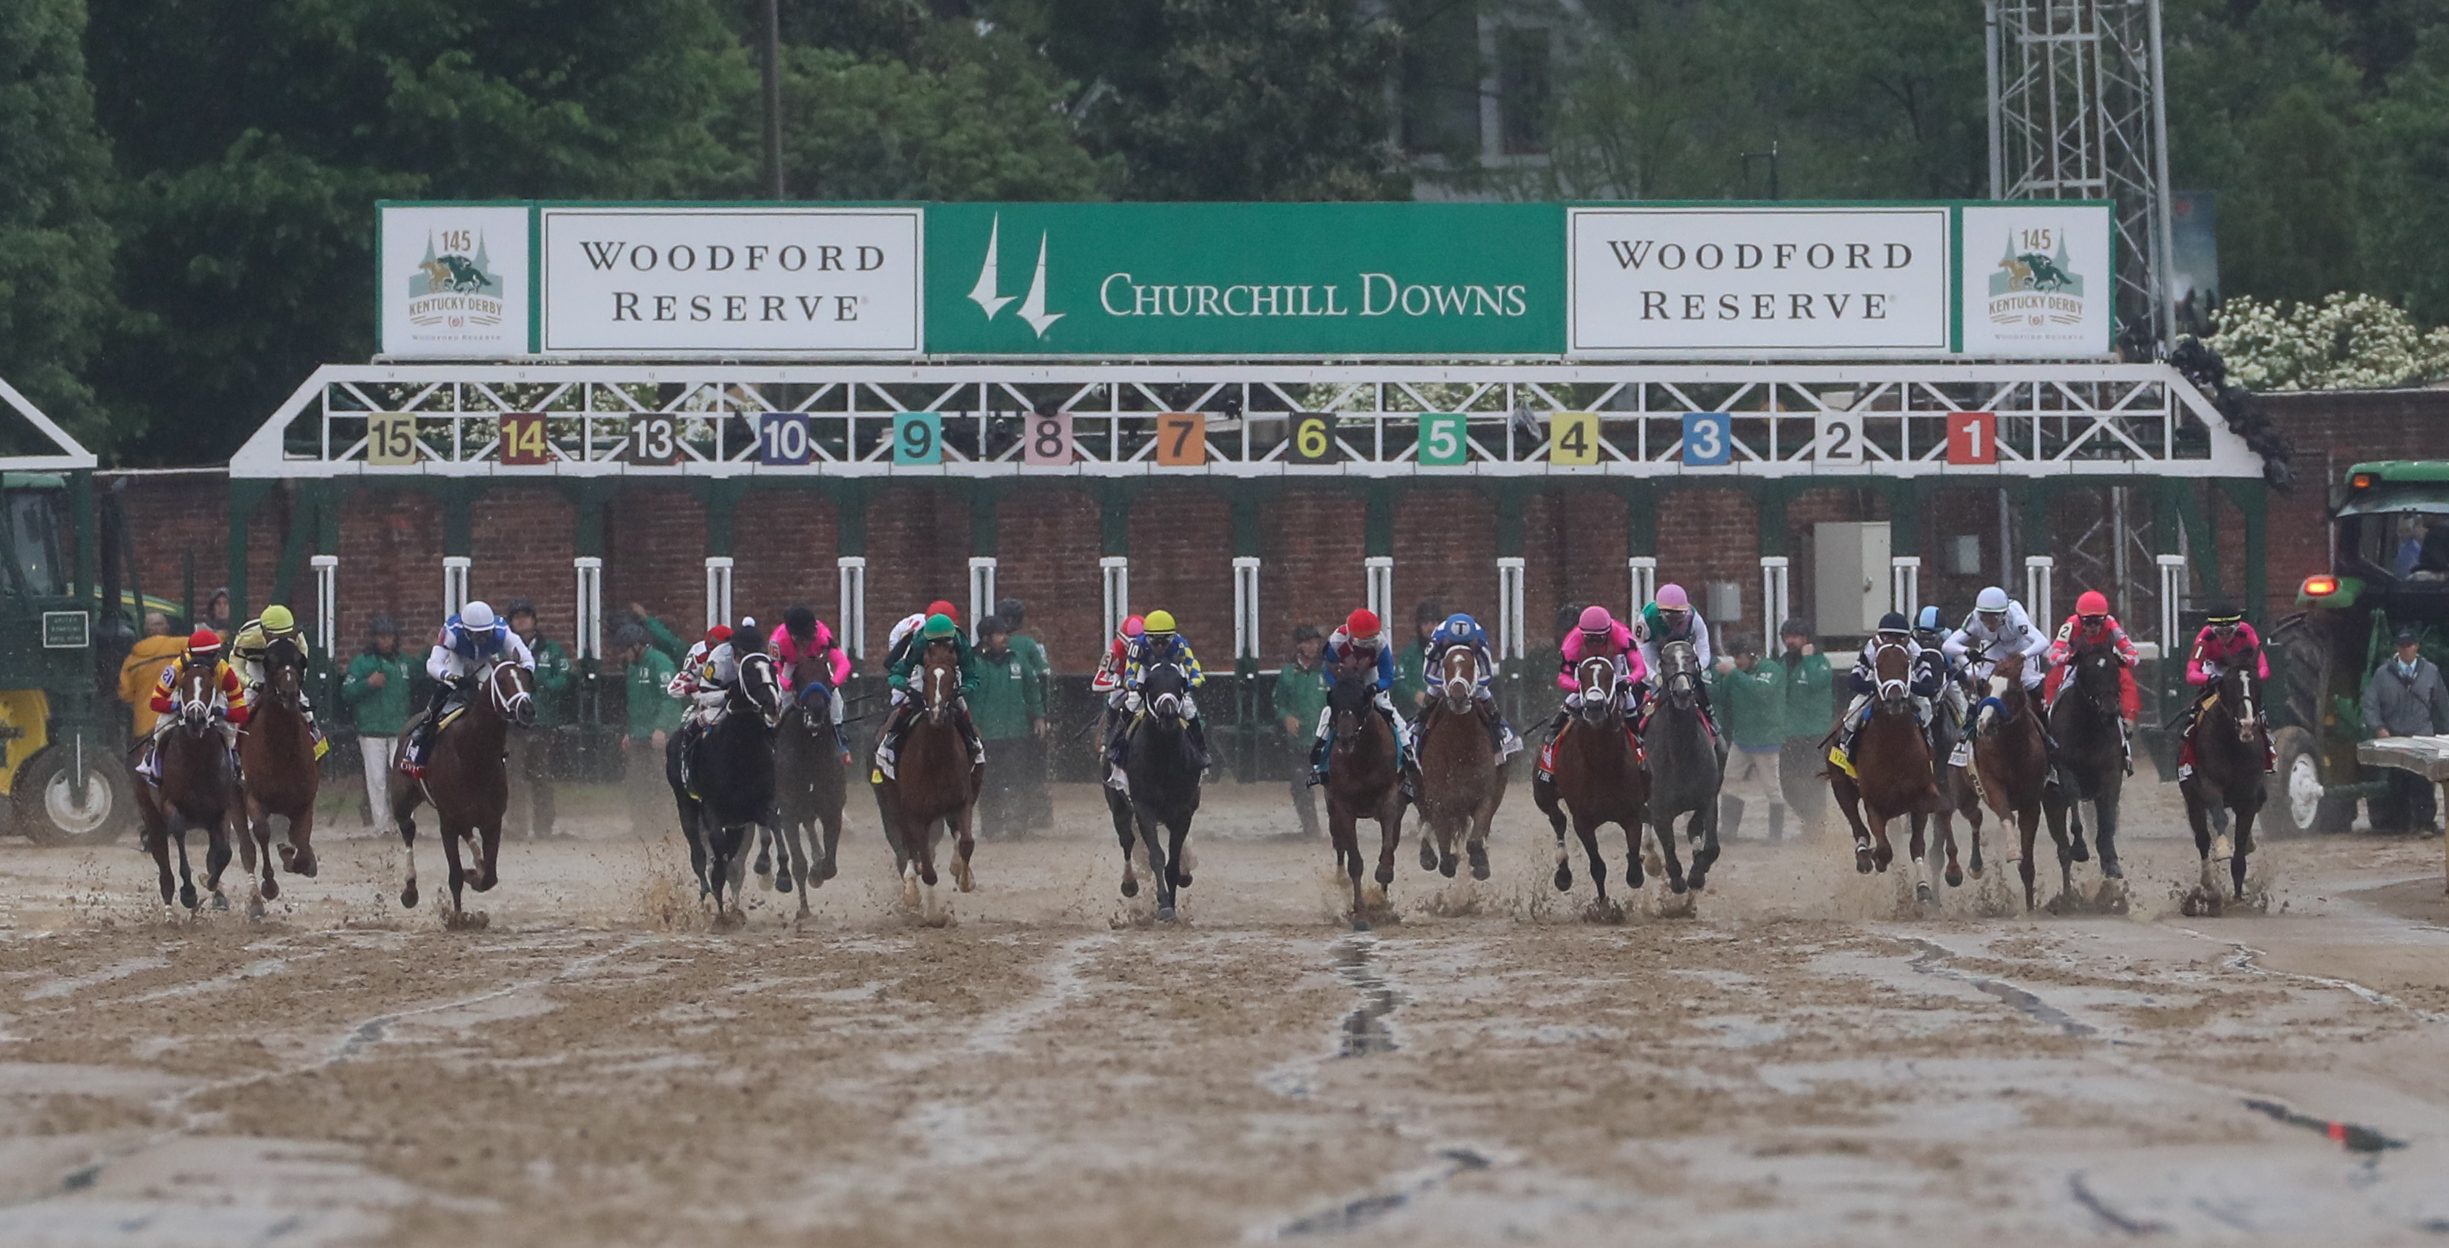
[{"x": 1803, "y": 1061}]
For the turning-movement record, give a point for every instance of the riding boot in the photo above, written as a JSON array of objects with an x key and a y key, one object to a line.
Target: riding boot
[
  {"x": 314, "y": 729},
  {"x": 888, "y": 749},
  {"x": 1556, "y": 723},
  {"x": 1198, "y": 744},
  {"x": 412, "y": 759},
  {"x": 2125, "y": 743},
  {"x": 692, "y": 730},
  {"x": 1497, "y": 732},
  {"x": 1117, "y": 746},
  {"x": 1318, "y": 762}
]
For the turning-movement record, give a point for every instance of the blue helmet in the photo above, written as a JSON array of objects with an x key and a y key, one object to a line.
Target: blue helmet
[
  {"x": 1928, "y": 620},
  {"x": 1458, "y": 626}
]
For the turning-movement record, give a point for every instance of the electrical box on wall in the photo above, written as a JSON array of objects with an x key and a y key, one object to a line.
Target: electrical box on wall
[
  {"x": 1725, "y": 601},
  {"x": 1964, "y": 555},
  {"x": 1850, "y": 574}
]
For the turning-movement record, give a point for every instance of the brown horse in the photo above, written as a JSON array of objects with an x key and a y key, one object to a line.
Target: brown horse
[
  {"x": 468, "y": 780},
  {"x": 1461, "y": 781},
  {"x": 938, "y": 784},
  {"x": 277, "y": 754},
  {"x": 2229, "y": 755},
  {"x": 2011, "y": 756},
  {"x": 198, "y": 789},
  {"x": 810, "y": 783},
  {"x": 1598, "y": 777},
  {"x": 1892, "y": 763},
  {"x": 1362, "y": 781}
]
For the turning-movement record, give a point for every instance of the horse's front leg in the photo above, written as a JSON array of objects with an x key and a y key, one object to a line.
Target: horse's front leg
[
  {"x": 1390, "y": 834},
  {"x": 1588, "y": 830},
  {"x": 1849, "y": 804},
  {"x": 488, "y": 839},
  {"x": 1160, "y": 865},
  {"x": 2243, "y": 813},
  {"x": 1344, "y": 826},
  {"x": 177, "y": 830},
  {"x": 1543, "y": 796},
  {"x": 1669, "y": 857},
  {"x": 1882, "y": 853},
  {"x": 157, "y": 843},
  {"x": 218, "y": 853},
  {"x": 1706, "y": 857},
  {"x": 257, "y": 835},
  {"x": 964, "y": 843},
  {"x": 1180, "y": 855},
  {"x": 458, "y": 874},
  {"x": 2198, "y": 817}
]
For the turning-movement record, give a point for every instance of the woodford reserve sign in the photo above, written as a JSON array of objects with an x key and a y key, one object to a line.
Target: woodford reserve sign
[{"x": 1245, "y": 281}]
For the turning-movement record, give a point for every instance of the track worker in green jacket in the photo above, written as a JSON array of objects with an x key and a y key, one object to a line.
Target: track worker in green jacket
[
  {"x": 1009, "y": 700},
  {"x": 1025, "y": 760},
  {"x": 532, "y": 754},
  {"x": 377, "y": 695},
  {"x": 1300, "y": 699},
  {"x": 1754, "y": 696},
  {"x": 1811, "y": 711},
  {"x": 653, "y": 717}
]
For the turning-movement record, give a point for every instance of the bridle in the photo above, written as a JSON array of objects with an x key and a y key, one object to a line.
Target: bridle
[
  {"x": 513, "y": 701},
  {"x": 1597, "y": 677},
  {"x": 940, "y": 692},
  {"x": 1462, "y": 676},
  {"x": 1167, "y": 705},
  {"x": 2244, "y": 683},
  {"x": 196, "y": 698},
  {"x": 1892, "y": 689},
  {"x": 1683, "y": 674}
]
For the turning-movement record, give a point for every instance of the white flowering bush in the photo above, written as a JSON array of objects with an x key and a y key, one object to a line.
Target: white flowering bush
[{"x": 2345, "y": 342}]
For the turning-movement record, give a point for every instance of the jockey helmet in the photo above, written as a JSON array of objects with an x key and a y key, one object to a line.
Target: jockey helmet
[
  {"x": 2225, "y": 617},
  {"x": 1991, "y": 601},
  {"x": 718, "y": 634},
  {"x": 945, "y": 609},
  {"x": 1134, "y": 626},
  {"x": 476, "y": 615},
  {"x": 1362, "y": 625},
  {"x": 1595, "y": 619},
  {"x": 799, "y": 622},
  {"x": 1894, "y": 622},
  {"x": 939, "y": 627},
  {"x": 1671, "y": 597},
  {"x": 1928, "y": 620},
  {"x": 1158, "y": 623},
  {"x": 2092, "y": 604},
  {"x": 277, "y": 619},
  {"x": 203, "y": 641},
  {"x": 1459, "y": 624}
]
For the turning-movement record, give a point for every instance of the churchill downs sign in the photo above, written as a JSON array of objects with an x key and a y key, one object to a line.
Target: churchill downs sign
[{"x": 1246, "y": 281}]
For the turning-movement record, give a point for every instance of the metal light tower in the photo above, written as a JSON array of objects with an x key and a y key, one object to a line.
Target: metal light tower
[{"x": 2078, "y": 111}]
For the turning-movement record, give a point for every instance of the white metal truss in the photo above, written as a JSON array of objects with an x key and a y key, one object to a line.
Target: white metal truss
[
  {"x": 50, "y": 449},
  {"x": 2051, "y": 420},
  {"x": 2078, "y": 111}
]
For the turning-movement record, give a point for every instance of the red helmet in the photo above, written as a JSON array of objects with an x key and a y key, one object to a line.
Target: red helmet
[
  {"x": 1133, "y": 626},
  {"x": 203, "y": 641},
  {"x": 945, "y": 609},
  {"x": 718, "y": 634},
  {"x": 1362, "y": 625},
  {"x": 2092, "y": 602}
]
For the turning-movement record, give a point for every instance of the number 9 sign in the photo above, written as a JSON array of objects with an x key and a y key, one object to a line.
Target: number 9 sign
[{"x": 918, "y": 438}]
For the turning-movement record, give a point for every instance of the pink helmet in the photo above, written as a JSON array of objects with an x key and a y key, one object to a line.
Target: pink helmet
[
  {"x": 1597, "y": 620},
  {"x": 1134, "y": 626},
  {"x": 1671, "y": 598}
]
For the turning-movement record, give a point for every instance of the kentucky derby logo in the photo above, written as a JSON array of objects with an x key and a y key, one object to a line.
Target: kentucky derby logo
[
  {"x": 1032, "y": 308},
  {"x": 456, "y": 285},
  {"x": 2034, "y": 285}
]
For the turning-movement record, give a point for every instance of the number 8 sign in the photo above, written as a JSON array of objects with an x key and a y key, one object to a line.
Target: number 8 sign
[{"x": 1049, "y": 442}]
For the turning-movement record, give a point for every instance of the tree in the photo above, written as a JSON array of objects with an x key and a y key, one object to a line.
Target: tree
[
  {"x": 2408, "y": 141},
  {"x": 55, "y": 249}
]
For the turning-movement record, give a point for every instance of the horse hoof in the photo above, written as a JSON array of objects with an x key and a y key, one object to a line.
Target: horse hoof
[
  {"x": 187, "y": 896},
  {"x": 1922, "y": 893},
  {"x": 1447, "y": 865},
  {"x": 221, "y": 902},
  {"x": 272, "y": 892},
  {"x": 1385, "y": 875},
  {"x": 1130, "y": 886},
  {"x": 1164, "y": 914},
  {"x": 1862, "y": 861},
  {"x": 408, "y": 897},
  {"x": 255, "y": 911},
  {"x": 1955, "y": 876},
  {"x": 1564, "y": 878},
  {"x": 782, "y": 881},
  {"x": 1428, "y": 856},
  {"x": 1181, "y": 879},
  {"x": 2081, "y": 852},
  {"x": 829, "y": 872}
]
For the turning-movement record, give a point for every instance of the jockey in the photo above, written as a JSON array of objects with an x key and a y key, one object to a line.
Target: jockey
[
  {"x": 2226, "y": 641},
  {"x": 229, "y": 697},
  {"x": 689, "y": 683},
  {"x": 1932, "y": 637},
  {"x": 1357, "y": 650},
  {"x": 707, "y": 684},
  {"x": 1460, "y": 629},
  {"x": 802, "y": 636},
  {"x": 1997, "y": 628},
  {"x": 913, "y": 648},
  {"x": 2091, "y": 628},
  {"x": 897, "y": 642},
  {"x": 1158, "y": 643},
  {"x": 469, "y": 642},
  {"x": 1116, "y": 661},
  {"x": 277, "y": 623},
  {"x": 1599, "y": 636},
  {"x": 1927, "y": 676},
  {"x": 1671, "y": 618}
]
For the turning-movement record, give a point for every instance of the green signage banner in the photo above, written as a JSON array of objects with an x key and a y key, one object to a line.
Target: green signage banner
[{"x": 1233, "y": 280}]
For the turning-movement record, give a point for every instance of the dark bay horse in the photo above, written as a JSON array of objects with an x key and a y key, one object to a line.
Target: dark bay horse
[
  {"x": 1361, "y": 782},
  {"x": 468, "y": 782},
  {"x": 733, "y": 769},
  {"x": 1461, "y": 781},
  {"x": 276, "y": 753},
  {"x": 2229, "y": 755},
  {"x": 811, "y": 781},
  {"x": 198, "y": 789},
  {"x": 1598, "y": 778},
  {"x": 1684, "y": 765},
  {"x": 2011, "y": 755},
  {"x": 938, "y": 784},
  {"x": 2091, "y": 757},
  {"x": 1893, "y": 776},
  {"x": 1164, "y": 774}
]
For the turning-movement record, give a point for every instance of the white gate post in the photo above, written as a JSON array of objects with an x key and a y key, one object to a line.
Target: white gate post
[
  {"x": 1644, "y": 572},
  {"x": 327, "y": 603},
  {"x": 718, "y": 590},
  {"x": 854, "y": 604},
  {"x": 2039, "y": 573},
  {"x": 590, "y": 630},
  {"x": 1380, "y": 569},
  {"x": 455, "y": 583},
  {"x": 1117, "y": 570},
  {"x": 2172, "y": 599},
  {"x": 1510, "y": 624},
  {"x": 981, "y": 590},
  {"x": 1905, "y": 588},
  {"x": 1246, "y": 639},
  {"x": 1774, "y": 598}
]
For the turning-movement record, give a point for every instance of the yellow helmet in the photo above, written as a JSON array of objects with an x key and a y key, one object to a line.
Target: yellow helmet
[
  {"x": 1158, "y": 622},
  {"x": 277, "y": 619}
]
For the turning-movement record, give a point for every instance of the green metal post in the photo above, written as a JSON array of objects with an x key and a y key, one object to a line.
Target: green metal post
[{"x": 245, "y": 495}]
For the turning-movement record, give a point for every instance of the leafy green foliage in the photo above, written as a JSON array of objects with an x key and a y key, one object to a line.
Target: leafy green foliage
[{"x": 55, "y": 249}]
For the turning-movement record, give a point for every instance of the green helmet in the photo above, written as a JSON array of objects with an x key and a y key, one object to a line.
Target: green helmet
[{"x": 939, "y": 627}]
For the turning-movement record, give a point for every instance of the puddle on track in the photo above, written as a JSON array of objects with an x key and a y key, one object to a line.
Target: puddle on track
[{"x": 1366, "y": 1031}]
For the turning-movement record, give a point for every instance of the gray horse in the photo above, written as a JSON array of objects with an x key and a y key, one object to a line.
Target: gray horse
[{"x": 1685, "y": 763}]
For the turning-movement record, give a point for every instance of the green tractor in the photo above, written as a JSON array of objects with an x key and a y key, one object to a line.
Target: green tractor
[
  {"x": 2389, "y": 567},
  {"x": 63, "y": 769}
]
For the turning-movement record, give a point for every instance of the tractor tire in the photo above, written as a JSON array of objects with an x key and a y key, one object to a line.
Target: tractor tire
[
  {"x": 2296, "y": 805},
  {"x": 46, "y": 812}
]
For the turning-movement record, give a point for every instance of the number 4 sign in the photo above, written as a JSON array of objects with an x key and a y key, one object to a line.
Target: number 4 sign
[{"x": 1972, "y": 438}]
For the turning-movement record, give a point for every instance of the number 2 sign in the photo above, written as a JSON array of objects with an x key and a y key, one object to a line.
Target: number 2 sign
[{"x": 1972, "y": 438}]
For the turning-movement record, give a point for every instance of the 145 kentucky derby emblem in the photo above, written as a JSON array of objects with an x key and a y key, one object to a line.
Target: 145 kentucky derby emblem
[
  {"x": 456, "y": 286},
  {"x": 2034, "y": 283}
]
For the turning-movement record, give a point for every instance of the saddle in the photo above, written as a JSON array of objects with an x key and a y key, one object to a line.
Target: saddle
[{"x": 1547, "y": 752}]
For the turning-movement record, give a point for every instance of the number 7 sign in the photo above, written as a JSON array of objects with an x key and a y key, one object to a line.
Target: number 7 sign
[{"x": 1972, "y": 438}]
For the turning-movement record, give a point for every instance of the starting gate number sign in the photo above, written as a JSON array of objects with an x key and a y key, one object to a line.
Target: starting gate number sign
[
  {"x": 654, "y": 438},
  {"x": 391, "y": 439},
  {"x": 1049, "y": 443},
  {"x": 1444, "y": 439},
  {"x": 1840, "y": 438},
  {"x": 1573, "y": 439},
  {"x": 1709, "y": 440},
  {"x": 1972, "y": 438},
  {"x": 1313, "y": 439},
  {"x": 1181, "y": 440},
  {"x": 918, "y": 437},
  {"x": 524, "y": 443},
  {"x": 784, "y": 438}
]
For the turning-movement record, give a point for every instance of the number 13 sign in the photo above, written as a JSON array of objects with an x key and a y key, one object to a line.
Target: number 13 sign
[{"x": 1972, "y": 438}]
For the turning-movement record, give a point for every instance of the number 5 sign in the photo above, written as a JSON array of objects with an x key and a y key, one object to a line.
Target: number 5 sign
[{"x": 1972, "y": 438}]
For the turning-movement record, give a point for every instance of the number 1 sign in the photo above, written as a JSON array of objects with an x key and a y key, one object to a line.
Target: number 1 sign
[{"x": 1972, "y": 438}]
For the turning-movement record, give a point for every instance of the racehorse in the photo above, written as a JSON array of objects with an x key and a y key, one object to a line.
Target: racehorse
[
  {"x": 198, "y": 789},
  {"x": 938, "y": 784},
  {"x": 1960, "y": 793},
  {"x": 2091, "y": 755},
  {"x": 2229, "y": 754},
  {"x": 2011, "y": 755},
  {"x": 1163, "y": 773},
  {"x": 1598, "y": 777},
  {"x": 732, "y": 768},
  {"x": 1684, "y": 765},
  {"x": 276, "y": 753},
  {"x": 1461, "y": 783},
  {"x": 810, "y": 785},
  {"x": 1892, "y": 763},
  {"x": 468, "y": 782},
  {"x": 1362, "y": 783}
]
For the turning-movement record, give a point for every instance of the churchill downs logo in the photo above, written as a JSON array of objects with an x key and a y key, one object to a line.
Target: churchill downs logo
[
  {"x": 2034, "y": 286},
  {"x": 455, "y": 286}
]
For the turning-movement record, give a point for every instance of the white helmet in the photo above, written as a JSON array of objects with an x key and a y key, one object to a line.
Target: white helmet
[
  {"x": 1991, "y": 599},
  {"x": 476, "y": 615}
]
